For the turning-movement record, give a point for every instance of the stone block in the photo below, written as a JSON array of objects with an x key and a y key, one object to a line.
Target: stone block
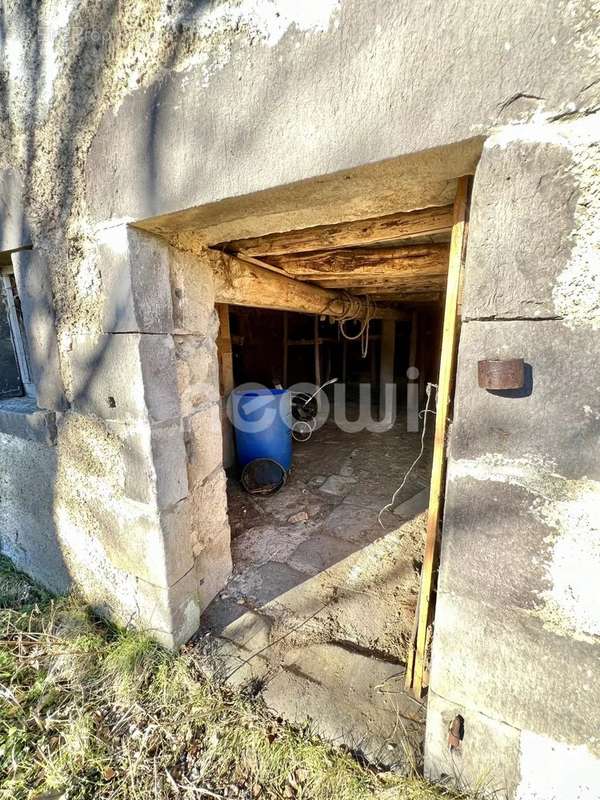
[
  {"x": 207, "y": 510},
  {"x": 235, "y": 623},
  {"x": 223, "y": 611},
  {"x": 251, "y": 631},
  {"x": 522, "y": 216},
  {"x": 226, "y": 662},
  {"x": 35, "y": 292},
  {"x": 414, "y": 506},
  {"x": 543, "y": 70},
  {"x": 100, "y": 463},
  {"x": 551, "y": 769},
  {"x": 233, "y": 640},
  {"x": 107, "y": 377},
  {"x": 259, "y": 543},
  {"x": 554, "y": 679},
  {"x": 319, "y": 553},
  {"x": 124, "y": 376},
  {"x": 487, "y": 760},
  {"x": 154, "y": 461},
  {"x": 494, "y": 549},
  {"x": 177, "y": 541},
  {"x": 212, "y": 568},
  {"x": 204, "y": 443},
  {"x": 28, "y": 532},
  {"x": 122, "y": 574},
  {"x": 157, "y": 358},
  {"x": 135, "y": 279},
  {"x": 171, "y": 615},
  {"x": 353, "y": 523},
  {"x": 272, "y": 587},
  {"x": 295, "y": 499},
  {"x": 14, "y": 226},
  {"x": 170, "y": 467},
  {"x": 197, "y": 538},
  {"x": 193, "y": 294},
  {"x": 338, "y": 485},
  {"x": 197, "y": 372},
  {"x": 350, "y": 698},
  {"x": 120, "y": 533},
  {"x": 555, "y": 418},
  {"x": 21, "y": 417}
]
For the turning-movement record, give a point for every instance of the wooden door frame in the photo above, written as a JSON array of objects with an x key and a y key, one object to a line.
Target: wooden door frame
[{"x": 417, "y": 668}]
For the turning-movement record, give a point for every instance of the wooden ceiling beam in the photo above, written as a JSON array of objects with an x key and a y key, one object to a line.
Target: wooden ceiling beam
[
  {"x": 425, "y": 282},
  {"x": 391, "y": 288},
  {"x": 395, "y": 291},
  {"x": 402, "y": 225},
  {"x": 338, "y": 282},
  {"x": 240, "y": 283},
  {"x": 405, "y": 261},
  {"x": 409, "y": 297}
]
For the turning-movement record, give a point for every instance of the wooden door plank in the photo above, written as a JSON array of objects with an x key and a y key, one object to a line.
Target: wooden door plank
[{"x": 419, "y": 678}]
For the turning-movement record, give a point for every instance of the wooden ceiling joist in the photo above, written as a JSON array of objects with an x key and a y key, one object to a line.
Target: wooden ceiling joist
[
  {"x": 245, "y": 284},
  {"x": 407, "y": 297},
  {"x": 391, "y": 289},
  {"x": 427, "y": 282},
  {"x": 424, "y": 222},
  {"x": 394, "y": 262}
]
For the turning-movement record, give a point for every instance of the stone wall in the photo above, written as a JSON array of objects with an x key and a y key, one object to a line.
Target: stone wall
[
  {"x": 131, "y": 503},
  {"x": 516, "y": 649},
  {"x": 144, "y": 437}
]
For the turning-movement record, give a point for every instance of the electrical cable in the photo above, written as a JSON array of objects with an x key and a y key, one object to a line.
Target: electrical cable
[{"x": 423, "y": 413}]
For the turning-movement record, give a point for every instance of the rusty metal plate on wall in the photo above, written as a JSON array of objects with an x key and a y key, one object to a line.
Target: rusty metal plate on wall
[{"x": 508, "y": 373}]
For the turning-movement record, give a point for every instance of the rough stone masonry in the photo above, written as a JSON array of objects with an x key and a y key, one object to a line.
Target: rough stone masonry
[{"x": 232, "y": 119}]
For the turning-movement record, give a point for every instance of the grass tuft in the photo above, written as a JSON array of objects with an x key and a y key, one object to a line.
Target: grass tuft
[{"x": 87, "y": 711}]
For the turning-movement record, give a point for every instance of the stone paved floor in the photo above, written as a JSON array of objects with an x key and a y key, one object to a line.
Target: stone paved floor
[{"x": 321, "y": 603}]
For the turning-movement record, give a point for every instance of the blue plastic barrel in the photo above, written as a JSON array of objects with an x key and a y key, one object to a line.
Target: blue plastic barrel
[{"x": 262, "y": 422}]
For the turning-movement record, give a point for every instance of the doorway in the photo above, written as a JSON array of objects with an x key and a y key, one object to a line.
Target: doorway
[{"x": 323, "y": 606}]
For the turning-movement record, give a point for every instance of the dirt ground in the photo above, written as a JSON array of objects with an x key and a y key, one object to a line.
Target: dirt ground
[{"x": 321, "y": 603}]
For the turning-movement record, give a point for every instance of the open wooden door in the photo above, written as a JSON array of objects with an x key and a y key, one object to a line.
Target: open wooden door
[{"x": 417, "y": 666}]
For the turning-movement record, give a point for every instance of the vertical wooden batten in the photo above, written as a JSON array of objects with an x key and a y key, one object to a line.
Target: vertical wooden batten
[
  {"x": 226, "y": 381},
  {"x": 285, "y": 348},
  {"x": 417, "y": 676},
  {"x": 317, "y": 352},
  {"x": 414, "y": 328},
  {"x": 386, "y": 365}
]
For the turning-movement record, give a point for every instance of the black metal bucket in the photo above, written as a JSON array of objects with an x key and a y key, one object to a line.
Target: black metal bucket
[{"x": 263, "y": 476}]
